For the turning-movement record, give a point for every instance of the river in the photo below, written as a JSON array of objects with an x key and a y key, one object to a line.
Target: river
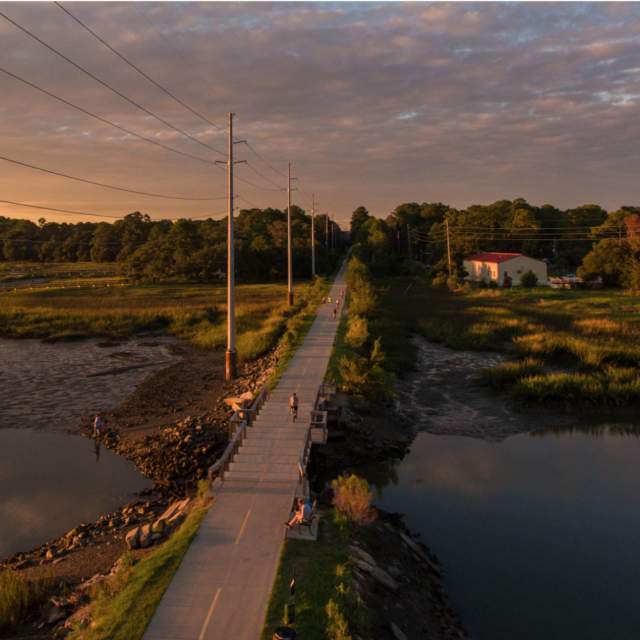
[{"x": 537, "y": 532}]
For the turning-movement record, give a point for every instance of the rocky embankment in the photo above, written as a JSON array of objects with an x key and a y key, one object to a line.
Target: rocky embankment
[
  {"x": 397, "y": 578},
  {"x": 400, "y": 583},
  {"x": 174, "y": 453}
]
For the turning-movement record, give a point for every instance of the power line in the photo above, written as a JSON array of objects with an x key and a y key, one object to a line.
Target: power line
[
  {"x": 120, "y": 127},
  {"x": 284, "y": 175},
  {"x": 109, "y": 86},
  {"x": 69, "y": 211},
  {"x": 138, "y": 69},
  {"x": 104, "y": 120},
  {"x": 278, "y": 187},
  {"x": 102, "y": 184}
]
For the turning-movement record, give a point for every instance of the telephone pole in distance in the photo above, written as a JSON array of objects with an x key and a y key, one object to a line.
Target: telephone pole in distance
[
  {"x": 313, "y": 235},
  {"x": 289, "y": 247}
]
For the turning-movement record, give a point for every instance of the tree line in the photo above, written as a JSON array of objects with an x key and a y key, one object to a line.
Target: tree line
[
  {"x": 150, "y": 250},
  {"x": 586, "y": 239}
]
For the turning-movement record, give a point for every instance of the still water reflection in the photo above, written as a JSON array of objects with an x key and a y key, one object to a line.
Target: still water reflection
[
  {"x": 539, "y": 534},
  {"x": 50, "y": 483}
]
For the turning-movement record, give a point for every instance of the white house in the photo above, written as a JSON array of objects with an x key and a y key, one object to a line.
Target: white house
[{"x": 494, "y": 266}]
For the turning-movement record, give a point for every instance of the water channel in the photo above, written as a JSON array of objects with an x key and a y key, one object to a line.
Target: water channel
[
  {"x": 51, "y": 481},
  {"x": 538, "y": 532}
]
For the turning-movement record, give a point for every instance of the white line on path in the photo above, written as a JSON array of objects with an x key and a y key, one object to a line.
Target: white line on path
[
  {"x": 214, "y": 602},
  {"x": 242, "y": 526}
]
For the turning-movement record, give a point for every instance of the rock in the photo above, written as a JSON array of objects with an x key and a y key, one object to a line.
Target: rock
[
  {"x": 132, "y": 538},
  {"x": 51, "y": 553},
  {"x": 144, "y": 537},
  {"x": 398, "y": 634},
  {"x": 377, "y": 573},
  {"x": 419, "y": 551},
  {"x": 362, "y": 554},
  {"x": 56, "y": 614}
]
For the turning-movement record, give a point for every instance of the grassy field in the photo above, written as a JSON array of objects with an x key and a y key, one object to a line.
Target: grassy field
[
  {"x": 192, "y": 311},
  {"x": 564, "y": 345},
  {"x": 58, "y": 270}
]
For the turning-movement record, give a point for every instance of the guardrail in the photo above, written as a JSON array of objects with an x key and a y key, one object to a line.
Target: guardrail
[
  {"x": 240, "y": 420},
  {"x": 317, "y": 422}
]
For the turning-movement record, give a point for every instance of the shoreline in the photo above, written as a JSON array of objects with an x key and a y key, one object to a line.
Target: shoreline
[
  {"x": 172, "y": 426},
  {"x": 397, "y": 577}
]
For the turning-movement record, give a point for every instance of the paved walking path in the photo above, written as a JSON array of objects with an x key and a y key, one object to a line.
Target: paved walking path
[{"x": 222, "y": 587}]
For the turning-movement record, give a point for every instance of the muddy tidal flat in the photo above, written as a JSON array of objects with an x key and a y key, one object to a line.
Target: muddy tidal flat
[{"x": 53, "y": 386}]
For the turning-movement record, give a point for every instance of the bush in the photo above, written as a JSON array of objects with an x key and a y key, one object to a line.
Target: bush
[
  {"x": 352, "y": 498},
  {"x": 528, "y": 279},
  {"x": 357, "y": 331}
]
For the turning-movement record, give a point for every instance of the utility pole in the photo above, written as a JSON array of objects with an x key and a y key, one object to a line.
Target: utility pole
[
  {"x": 289, "y": 248},
  {"x": 409, "y": 241},
  {"x": 230, "y": 369},
  {"x": 446, "y": 222},
  {"x": 313, "y": 235}
]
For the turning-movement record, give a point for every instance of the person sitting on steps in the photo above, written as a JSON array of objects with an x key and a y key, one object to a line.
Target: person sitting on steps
[
  {"x": 293, "y": 405},
  {"x": 303, "y": 513}
]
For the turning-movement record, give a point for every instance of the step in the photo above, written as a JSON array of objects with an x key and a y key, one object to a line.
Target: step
[
  {"x": 275, "y": 433},
  {"x": 261, "y": 467},
  {"x": 267, "y": 476},
  {"x": 275, "y": 457},
  {"x": 276, "y": 448}
]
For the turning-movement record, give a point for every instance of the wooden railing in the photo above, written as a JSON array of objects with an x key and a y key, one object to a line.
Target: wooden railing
[{"x": 240, "y": 420}]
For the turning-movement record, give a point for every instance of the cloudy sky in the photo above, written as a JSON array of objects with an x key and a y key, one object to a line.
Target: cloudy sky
[{"x": 375, "y": 104}]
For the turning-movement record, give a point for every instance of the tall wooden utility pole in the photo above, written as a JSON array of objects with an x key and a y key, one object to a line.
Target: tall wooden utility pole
[
  {"x": 289, "y": 249},
  {"x": 446, "y": 222},
  {"x": 230, "y": 356},
  {"x": 230, "y": 369},
  {"x": 313, "y": 235}
]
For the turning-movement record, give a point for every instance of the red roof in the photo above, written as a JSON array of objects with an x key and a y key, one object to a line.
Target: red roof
[{"x": 493, "y": 256}]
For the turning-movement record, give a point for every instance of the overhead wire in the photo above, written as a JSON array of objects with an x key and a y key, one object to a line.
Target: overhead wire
[
  {"x": 69, "y": 211},
  {"x": 103, "y": 184},
  {"x": 168, "y": 92},
  {"x": 111, "y": 88},
  {"x": 167, "y": 147},
  {"x": 138, "y": 69}
]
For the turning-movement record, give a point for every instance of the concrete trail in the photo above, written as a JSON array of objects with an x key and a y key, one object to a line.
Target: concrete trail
[{"x": 222, "y": 587}]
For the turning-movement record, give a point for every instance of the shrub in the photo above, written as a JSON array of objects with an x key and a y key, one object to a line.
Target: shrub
[
  {"x": 528, "y": 279},
  {"x": 352, "y": 497},
  {"x": 357, "y": 332}
]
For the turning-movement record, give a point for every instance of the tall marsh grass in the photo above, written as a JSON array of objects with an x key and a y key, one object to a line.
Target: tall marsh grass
[
  {"x": 570, "y": 345},
  {"x": 20, "y": 598}
]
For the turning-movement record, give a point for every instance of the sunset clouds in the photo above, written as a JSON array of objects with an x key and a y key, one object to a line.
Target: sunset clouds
[{"x": 374, "y": 103}]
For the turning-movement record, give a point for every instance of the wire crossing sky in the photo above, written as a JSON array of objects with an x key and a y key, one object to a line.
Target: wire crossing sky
[{"x": 375, "y": 104}]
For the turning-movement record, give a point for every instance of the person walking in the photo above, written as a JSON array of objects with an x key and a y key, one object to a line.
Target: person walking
[
  {"x": 335, "y": 312},
  {"x": 98, "y": 426},
  {"x": 293, "y": 406}
]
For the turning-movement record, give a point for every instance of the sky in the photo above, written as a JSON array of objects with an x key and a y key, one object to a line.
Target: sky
[{"x": 375, "y": 104}]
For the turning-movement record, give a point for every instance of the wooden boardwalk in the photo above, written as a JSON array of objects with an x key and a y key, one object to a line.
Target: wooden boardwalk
[{"x": 222, "y": 587}]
